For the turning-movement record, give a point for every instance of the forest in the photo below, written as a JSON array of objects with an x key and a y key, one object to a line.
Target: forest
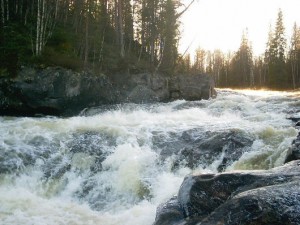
[
  {"x": 277, "y": 68},
  {"x": 115, "y": 36},
  {"x": 105, "y": 36}
]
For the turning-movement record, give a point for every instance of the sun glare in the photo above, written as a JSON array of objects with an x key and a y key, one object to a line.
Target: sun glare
[
  {"x": 265, "y": 93},
  {"x": 218, "y": 24}
]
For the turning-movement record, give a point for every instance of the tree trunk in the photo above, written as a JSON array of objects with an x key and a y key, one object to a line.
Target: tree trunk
[
  {"x": 86, "y": 51},
  {"x": 2, "y": 12},
  {"x": 120, "y": 28},
  {"x": 38, "y": 28},
  {"x": 56, "y": 10},
  {"x": 26, "y": 15},
  {"x": 293, "y": 65},
  {"x": 7, "y": 11},
  {"x": 42, "y": 32}
]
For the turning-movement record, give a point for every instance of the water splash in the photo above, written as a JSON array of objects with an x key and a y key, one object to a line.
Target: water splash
[{"x": 115, "y": 165}]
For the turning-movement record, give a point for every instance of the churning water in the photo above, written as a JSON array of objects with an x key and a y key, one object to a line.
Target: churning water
[{"x": 114, "y": 165}]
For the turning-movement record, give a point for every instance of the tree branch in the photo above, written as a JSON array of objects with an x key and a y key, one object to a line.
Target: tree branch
[{"x": 183, "y": 11}]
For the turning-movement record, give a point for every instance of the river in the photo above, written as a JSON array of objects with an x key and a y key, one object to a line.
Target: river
[{"x": 114, "y": 165}]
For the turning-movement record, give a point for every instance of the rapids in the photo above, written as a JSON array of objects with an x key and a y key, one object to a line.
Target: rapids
[{"x": 114, "y": 165}]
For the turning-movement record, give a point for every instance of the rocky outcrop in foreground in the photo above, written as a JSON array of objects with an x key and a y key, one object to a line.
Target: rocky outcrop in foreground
[
  {"x": 270, "y": 197},
  {"x": 248, "y": 197},
  {"x": 58, "y": 91}
]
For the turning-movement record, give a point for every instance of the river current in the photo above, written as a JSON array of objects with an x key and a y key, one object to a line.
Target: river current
[{"x": 114, "y": 165}]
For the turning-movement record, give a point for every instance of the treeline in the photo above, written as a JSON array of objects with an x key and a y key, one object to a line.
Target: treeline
[
  {"x": 105, "y": 35},
  {"x": 277, "y": 68},
  {"x": 109, "y": 36}
]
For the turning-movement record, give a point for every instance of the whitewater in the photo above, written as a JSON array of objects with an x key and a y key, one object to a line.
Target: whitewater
[{"x": 113, "y": 165}]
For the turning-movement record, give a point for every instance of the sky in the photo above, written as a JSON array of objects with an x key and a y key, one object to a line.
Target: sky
[{"x": 219, "y": 24}]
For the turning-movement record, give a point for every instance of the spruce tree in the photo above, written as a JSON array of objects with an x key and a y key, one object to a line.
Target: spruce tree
[
  {"x": 294, "y": 56},
  {"x": 241, "y": 65},
  {"x": 277, "y": 70},
  {"x": 170, "y": 37}
]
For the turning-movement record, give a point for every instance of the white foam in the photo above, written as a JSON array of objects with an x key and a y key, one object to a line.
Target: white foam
[{"x": 132, "y": 172}]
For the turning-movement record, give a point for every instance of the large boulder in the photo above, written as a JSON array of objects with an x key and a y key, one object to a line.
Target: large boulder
[
  {"x": 225, "y": 147},
  {"x": 59, "y": 91},
  {"x": 195, "y": 87},
  {"x": 246, "y": 197},
  {"x": 294, "y": 150},
  {"x": 195, "y": 147},
  {"x": 54, "y": 91},
  {"x": 192, "y": 87},
  {"x": 169, "y": 213}
]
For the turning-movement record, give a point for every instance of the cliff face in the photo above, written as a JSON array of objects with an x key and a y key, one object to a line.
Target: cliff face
[{"x": 58, "y": 91}]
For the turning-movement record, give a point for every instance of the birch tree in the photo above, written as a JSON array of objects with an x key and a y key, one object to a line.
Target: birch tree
[{"x": 45, "y": 22}]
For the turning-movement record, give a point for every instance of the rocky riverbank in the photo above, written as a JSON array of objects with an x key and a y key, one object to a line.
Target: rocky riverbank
[
  {"x": 58, "y": 91},
  {"x": 242, "y": 197}
]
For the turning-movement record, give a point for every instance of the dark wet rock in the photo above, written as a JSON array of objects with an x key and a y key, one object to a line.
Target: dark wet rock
[
  {"x": 246, "y": 197},
  {"x": 92, "y": 111},
  {"x": 59, "y": 91},
  {"x": 204, "y": 149},
  {"x": 294, "y": 150},
  {"x": 54, "y": 91},
  {"x": 191, "y": 104},
  {"x": 273, "y": 205},
  {"x": 169, "y": 144},
  {"x": 294, "y": 118},
  {"x": 169, "y": 213}
]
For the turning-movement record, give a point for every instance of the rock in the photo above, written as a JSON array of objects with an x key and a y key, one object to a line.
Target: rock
[
  {"x": 294, "y": 118},
  {"x": 196, "y": 87},
  {"x": 142, "y": 94},
  {"x": 245, "y": 197},
  {"x": 274, "y": 205},
  {"x": 59, "y": 91},
  {"x": 192, "y": 87},
  {"x": 169, "y": 213},
  {"x": 55, "y": 91},
  {"x": 294, "y": 151},
  {"x": 203, "y": 150}
]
